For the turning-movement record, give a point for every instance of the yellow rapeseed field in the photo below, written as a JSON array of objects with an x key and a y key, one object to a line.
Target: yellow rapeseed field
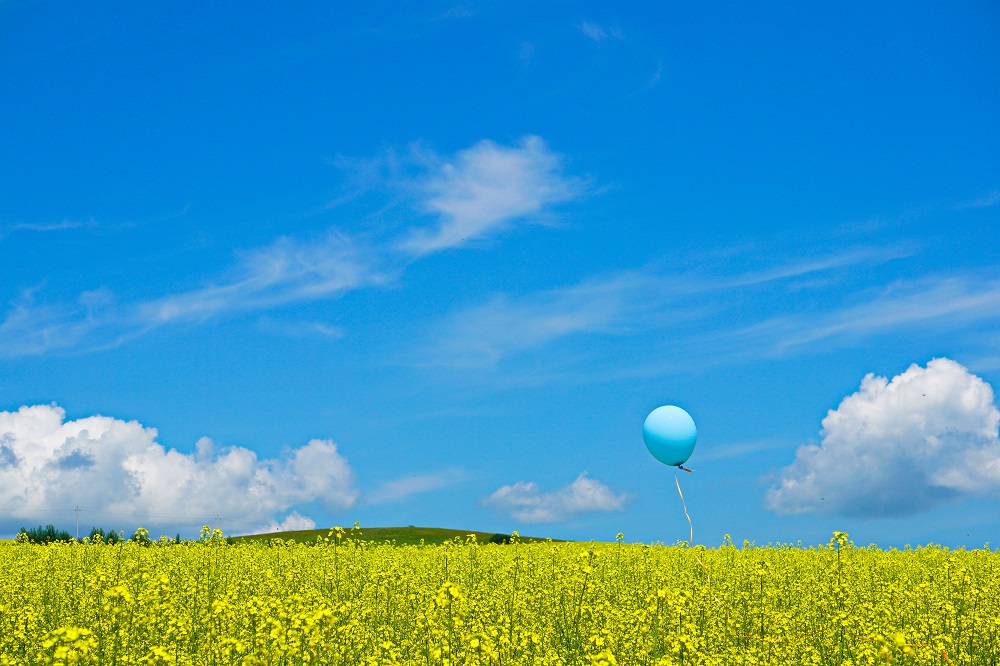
[{"x": 345, "y": 601}]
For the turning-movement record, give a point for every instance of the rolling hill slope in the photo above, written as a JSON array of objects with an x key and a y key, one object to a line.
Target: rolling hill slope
[{"x": 400, "y": 535}]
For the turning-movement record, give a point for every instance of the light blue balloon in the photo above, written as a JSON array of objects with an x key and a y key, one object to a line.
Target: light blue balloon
[{"x": 670, "y": 434}]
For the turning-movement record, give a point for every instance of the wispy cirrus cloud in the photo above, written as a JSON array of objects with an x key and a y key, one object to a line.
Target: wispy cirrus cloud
[
  {"x": 813, "y": 265},
  {"x": 90, "y": 224},
  {"x": 596, "y": 32},
  {"x": 396, "y": 490},
  {"x": 947, "y": 300},
  {"x": 487, "y": 334},
  {"x": 633, "y": 302},
  {"x": 286, "y": 272},
  {"x": 301, "y": 328},
  {"x": 29, "y": 327},
  {"x": 473, "y": 194},
  {"x": 991, "y": 199},
  {"x": 739, "y": 450},
  {"x": 486, "y": 188},
  {"x": 43, "y": 227}
]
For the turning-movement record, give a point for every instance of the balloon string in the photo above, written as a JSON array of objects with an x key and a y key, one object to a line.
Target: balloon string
[
  {"x": 684, "y": 504},
  {"x": 708, "y": 574}
]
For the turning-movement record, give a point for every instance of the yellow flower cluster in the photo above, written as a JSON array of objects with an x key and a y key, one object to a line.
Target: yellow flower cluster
[{"x": 344, "y": 601}]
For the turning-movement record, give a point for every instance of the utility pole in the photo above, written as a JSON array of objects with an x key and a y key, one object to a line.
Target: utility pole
[{"x": 77, "y": 512}]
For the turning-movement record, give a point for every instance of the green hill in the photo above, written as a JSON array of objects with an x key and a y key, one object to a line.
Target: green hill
[{"x": 400, "y": 535}]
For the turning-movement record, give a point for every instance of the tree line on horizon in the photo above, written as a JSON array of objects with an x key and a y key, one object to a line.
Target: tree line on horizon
[{"x": 50, "y": 534}]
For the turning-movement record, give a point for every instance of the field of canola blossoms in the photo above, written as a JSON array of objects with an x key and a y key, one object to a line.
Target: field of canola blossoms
[{"x": 353, "y": 602}]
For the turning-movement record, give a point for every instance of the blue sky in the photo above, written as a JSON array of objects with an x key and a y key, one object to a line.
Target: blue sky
[{"x": 433, "y": 264}]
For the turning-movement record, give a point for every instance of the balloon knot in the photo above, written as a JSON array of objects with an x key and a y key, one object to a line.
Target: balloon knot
[{"x": 685, "y": 468}]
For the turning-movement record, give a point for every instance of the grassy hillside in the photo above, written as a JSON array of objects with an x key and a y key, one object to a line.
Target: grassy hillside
[{"x": 400, "y": 535}]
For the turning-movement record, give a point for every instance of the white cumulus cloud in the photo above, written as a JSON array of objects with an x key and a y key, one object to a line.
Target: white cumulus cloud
[
  {"x": 899, "y": 447},
  {"x": 292, "y": 522},
  {"x": 524, "y": 502},
  {"x": 116, "y": 471},
  {"x": 485, "y": 188}
]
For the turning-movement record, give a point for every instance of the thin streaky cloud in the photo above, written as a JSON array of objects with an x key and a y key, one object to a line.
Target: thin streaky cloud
[
  {"x": 485, "y": 189},
  {"x": 919, "y": 306},
  {"x": 396, "y": 490},
  {"x": 287, "y": 271},
  {"x": 487, "y": 334},
  {"x": 592, "y": 30},
  {"x": 656, "y": 77},
  {"x": 475, "y": 193},
  {"x": 991, "y": 199},
  {"x": 50, "y": 226},
  {"x": 301, "y": 328},
  {"x": 864, "y": 255},
  {"x": 44, "y": 227},
  {"x": 30, "y": 328},
  {"x": 90, "y": 223},
  {"x": 459, "y": 12},
  {"x": 621, "y": 304},
  {"x": 923, "y": 305},
  {"x": 738, "y": 449},
  {"x": 383, "y": 172},
  {"x": 946, "y": 299},
  {"x": 986, "y": 363},
  {"x": 150, "y": 221},
  {"x": 598, "y": 33},
  {"x": 526, "y": 52}
]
